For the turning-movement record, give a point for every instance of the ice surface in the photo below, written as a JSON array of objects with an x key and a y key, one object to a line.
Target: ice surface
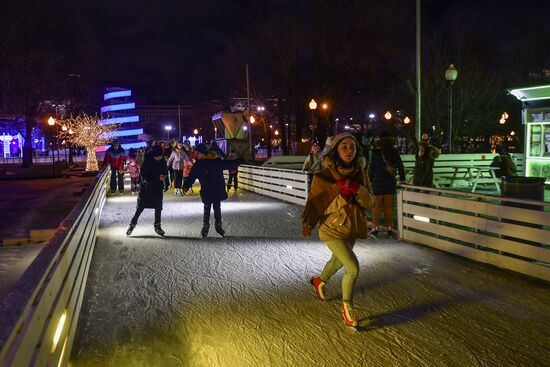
[{"x": 245, "y": 300}]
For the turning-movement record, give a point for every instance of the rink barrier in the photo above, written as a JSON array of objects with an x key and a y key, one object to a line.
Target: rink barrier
[
  {"x": 509, "y": 233},
  {"x": 40, "y": 313},
  {"x": 283, "y": 184}
]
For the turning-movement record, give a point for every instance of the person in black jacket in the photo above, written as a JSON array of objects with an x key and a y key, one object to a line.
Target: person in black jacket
[
  {"x": 209, "y": 171},
  {"x": 152, "y": 175},
  {"x": 385, "y": 163}
]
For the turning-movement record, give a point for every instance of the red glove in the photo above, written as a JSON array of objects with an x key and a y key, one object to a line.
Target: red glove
[
  {"x": 349, "y": 185},
  {"x": 346, "y": 194}
]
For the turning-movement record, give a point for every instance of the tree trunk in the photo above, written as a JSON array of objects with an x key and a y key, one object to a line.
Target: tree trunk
[
  {"x": 91, "y": 159},
  {"x": 27, "y": 146}
]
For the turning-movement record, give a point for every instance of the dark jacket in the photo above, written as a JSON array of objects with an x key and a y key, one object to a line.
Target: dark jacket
[
  {"x": 383, "y": 183},
  {"x": 210, "y": 175},
  {"x": 505, "y": 164},
  {"x": 151, "y": 189},
  {"x": 424, "y": 164}
]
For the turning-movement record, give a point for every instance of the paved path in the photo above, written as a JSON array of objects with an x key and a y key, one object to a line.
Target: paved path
[{"x": 244, "y": 300}]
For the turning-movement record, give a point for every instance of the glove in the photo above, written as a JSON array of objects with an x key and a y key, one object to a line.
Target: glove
[
  {"x": 306, "y": 230},
  {"x": 349, "y": 187}
]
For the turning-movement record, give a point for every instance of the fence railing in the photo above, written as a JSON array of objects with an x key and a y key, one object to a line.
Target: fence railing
[
  {"x": 509, "y": 233},
  {"x": 283, "y": 184},
  {"x": 40, "y": 314}
]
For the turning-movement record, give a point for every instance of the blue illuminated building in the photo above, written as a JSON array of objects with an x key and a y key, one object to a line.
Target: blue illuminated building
[{"x": 120, "y": 110}]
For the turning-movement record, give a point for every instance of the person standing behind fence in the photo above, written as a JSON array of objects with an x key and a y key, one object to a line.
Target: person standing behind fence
[
  {"x": 312, "y": 163},
  {"x": 424, "y": 165},
  {"x": 176, "y": 162},
  {"x": 339, "y": 195},
  {"x": 115, "y": 158},
  {"x": 188, "y": 163},
  {"x": 385, "y": 163},
  {"x": 233, "y": 173},
  {"x": 153, "y": 173}
]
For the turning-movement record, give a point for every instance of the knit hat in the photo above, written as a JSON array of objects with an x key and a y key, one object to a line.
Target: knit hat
[
  {"x": 424, "y": 137},
  {"x": 201, "y": 148},
  {"x": 338, "y": 138}
]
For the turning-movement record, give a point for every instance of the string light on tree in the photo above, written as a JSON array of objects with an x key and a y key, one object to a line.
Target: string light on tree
[
  {"x": 85, "y": 131},
  {"x": 387, "y": 115},
  {"x": 407, "y": 120}
]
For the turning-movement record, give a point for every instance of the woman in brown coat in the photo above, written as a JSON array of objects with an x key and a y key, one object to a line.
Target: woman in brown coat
[{"x": 339, "y": 195}]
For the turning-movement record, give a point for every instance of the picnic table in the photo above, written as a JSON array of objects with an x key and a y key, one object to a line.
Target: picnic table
[{"x": 476, "y": 176}]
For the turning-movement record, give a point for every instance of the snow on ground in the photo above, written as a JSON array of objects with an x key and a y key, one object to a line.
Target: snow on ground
[{"x": 245, "y": 300}]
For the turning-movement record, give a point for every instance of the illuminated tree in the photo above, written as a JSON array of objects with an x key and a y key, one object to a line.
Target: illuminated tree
[{"x": 85, "y": 131}]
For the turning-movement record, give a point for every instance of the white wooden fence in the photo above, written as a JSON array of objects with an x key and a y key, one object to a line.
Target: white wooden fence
[
  {"x": 40, "y": 315},
  {"x": 489, "y": 229},
  {"x": 283, "y": 184}
]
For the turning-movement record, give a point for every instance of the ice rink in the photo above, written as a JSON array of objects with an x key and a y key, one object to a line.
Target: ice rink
[{"x": 245, "y": 300}]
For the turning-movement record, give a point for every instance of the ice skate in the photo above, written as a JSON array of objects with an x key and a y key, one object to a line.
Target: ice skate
[
  {"x": 374, "y": 234},
  {"x": 348, "y": 314},
  {"x": 392, "y": 234},
  {"x": 130, "y": 229},
  {"x": 219, "y": 229},
  {"x": 319, "y": 287},
  {"x": 205, "y": 229},
  {"x": 159, "y": 230}
]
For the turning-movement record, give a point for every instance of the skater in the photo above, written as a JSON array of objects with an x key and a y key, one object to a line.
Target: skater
[
  {"x": 209, "y": 172},
  {"x": 188, "y": 163},
  {"x": 153, "y": 173},
  {"x": 116, "y": 160},
  {"x": 166, "y": 151},
  {"x": 233, "y": 173},
  {"x": 133, "y": 169},
  {"x": 384, "y": 165},
  {"x": 339, "y": 195},
  {"x": 176, "y": 163},
  {"x": 312, "y": 163}
]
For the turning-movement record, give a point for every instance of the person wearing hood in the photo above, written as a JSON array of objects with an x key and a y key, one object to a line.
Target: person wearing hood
[
  {"x": 209, "y": 172},
  {"x": 424, "y": 164},
  {"x": 115, "y": 158},
  {"x": 340, "y": 193},
  {"x": 153, "y": 173},
  {"x": 176, "y": 162},
  {"x": 385, "y": 163}
]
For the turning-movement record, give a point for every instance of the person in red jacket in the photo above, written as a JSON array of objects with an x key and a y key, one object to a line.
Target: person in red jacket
[{"x": 116, "y": 159}]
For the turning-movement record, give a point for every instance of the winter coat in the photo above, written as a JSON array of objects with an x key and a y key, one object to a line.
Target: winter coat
[
  {"x": 383, "y": 183},
  {"x": 312, "y": 164},
  {"x": 338, "y": 218},
  {"x": 236, "y": 170},
  {"x": 152, "y": 188},
  {"x": 209, "y": 172},
  {"x": 115, "y": 158},
  {"x": 132, "y": 168},
  {"x": 505, "y": 164},
  {"x": 177, "y": 158},
  {"x": 423, "y": 167}
]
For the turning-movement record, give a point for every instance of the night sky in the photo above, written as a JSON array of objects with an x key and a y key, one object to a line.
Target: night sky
[{"x": 173, "y": 49}]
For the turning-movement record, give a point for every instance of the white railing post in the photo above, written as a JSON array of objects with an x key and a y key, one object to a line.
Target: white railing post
[{"x": 400, "y": 213}]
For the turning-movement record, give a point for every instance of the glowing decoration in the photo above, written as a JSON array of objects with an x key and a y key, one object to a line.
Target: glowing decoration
[
  {"x": 125, "y": 133},
  {"x": 117, "y": 94},
  {"x": 387, "y": 115},
  {"x": 244, "y": 128},
  {"x": 51, "y": 121},
  {"x": 505, "y": 115},
  {"x": 532, "y": 94},
  {"x": 512, "y": 133},
  {"x": 88, "y": 133},
  {"x": 407, "y": 120},
  {"x": 119, "y": 120},
  {"x": 502, "y": 121},
  {"x": 324, "y": 106},
  {"x": 312, "y": 104},
  {"x": 276, "y": 132},
  {"x": 6, "y": 139},
  {"x": 371, "y": 116},
  {"x": 64, "y": 128},
  {"x": 193, "y": 140},
  {"x": 196, "y": 132},
  {"x": 252, "y": 119},
  {"x": 118, "y": 107}
]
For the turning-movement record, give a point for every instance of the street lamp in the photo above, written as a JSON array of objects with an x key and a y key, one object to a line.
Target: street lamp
[
  {"x": 51, "y": 122},
  {"x": 168, "y": 128},
  {"x": 312, "y": 107},
  {"x": 450, "y": 74},
  {"x": 387, "y": 115},
  {"x": 407, "y": 120},
  {"x": 251, "y": 120},
  {"x": 196, "y": 132}
]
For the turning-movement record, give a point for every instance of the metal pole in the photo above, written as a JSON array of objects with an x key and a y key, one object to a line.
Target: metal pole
[
  {"x": 179, "y": 122},
  {"x": 252, "y": 158},
  {"x": 418, "y": 75},
  {"x": 451, "y": 117}
]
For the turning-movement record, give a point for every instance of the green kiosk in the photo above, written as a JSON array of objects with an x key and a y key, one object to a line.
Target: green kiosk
[{"x": 536, "y": 122}]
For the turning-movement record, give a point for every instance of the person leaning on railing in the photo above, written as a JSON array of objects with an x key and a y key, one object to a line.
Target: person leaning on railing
[{"x": 424, "y": 165}]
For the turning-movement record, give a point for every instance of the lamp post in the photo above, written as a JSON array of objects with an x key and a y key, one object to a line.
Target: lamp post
[
  {"x": 251, "y": 121},
  {"x": 312, "y": 107},
  {"x": 450, "y": 74},
  {"x": 168, "y": 128},
  {"x": 51, "y": 122}
]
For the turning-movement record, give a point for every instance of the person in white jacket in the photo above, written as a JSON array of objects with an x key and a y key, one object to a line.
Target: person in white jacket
[{"x": 176, "y": 162}]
